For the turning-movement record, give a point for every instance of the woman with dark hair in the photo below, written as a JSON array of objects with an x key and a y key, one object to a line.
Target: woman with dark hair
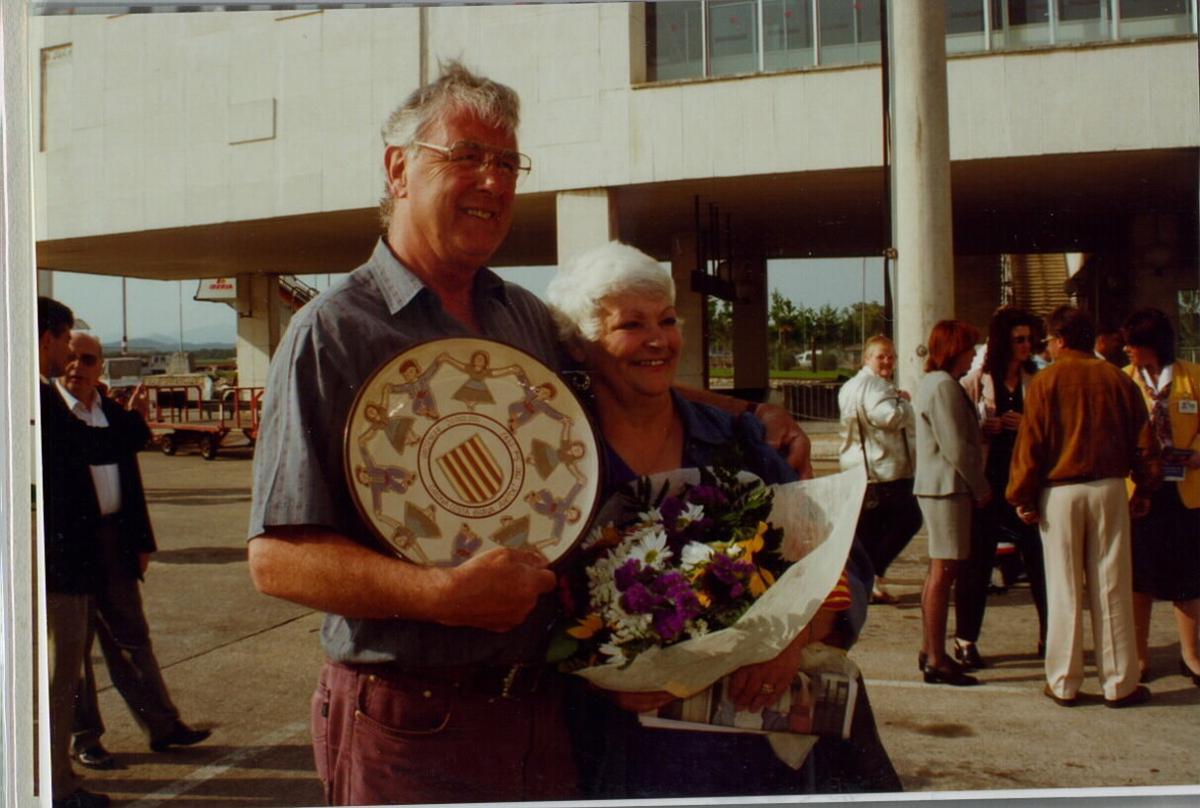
[
  {"x": 998, "y": 390},
  {"x": 949, "y": 479},
  {"x": 1166, "y": 542}
]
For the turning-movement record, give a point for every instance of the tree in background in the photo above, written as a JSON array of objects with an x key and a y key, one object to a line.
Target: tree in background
[
  {"x": 720, "y": 332},
  {"x": 794, "y": 329}
]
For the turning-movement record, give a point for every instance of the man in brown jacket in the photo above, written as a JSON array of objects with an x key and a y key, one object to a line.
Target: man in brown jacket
[{"x": 1084, "y": 431}]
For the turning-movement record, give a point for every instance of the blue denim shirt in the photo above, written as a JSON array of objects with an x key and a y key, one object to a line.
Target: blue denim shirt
[{"x": 331, "y": 347}]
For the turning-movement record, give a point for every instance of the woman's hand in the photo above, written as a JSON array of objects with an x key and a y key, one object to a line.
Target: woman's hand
[
  {"x": 760, "y": 685},
  {"x": 992, "y": 425},
  {"x": 785, "y": 434},
  {"x": 640, "y": 702},
  {"x": 1011, "y": 420}
]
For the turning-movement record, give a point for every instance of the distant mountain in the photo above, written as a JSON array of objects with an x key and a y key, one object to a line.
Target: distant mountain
[{"x": 200, "y": 339}]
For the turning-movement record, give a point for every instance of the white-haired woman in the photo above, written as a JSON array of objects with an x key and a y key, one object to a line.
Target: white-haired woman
[
  {"x": 879, "y": 433},
  {"x": 616, "y": 311}
]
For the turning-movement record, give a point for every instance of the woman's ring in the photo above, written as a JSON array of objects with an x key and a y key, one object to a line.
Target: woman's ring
[{"x": 767, "y": 688}]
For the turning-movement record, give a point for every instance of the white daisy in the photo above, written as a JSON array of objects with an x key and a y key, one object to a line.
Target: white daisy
[
  {"x": 695, "y": 554},
  {"x": 651, "y": 549}
]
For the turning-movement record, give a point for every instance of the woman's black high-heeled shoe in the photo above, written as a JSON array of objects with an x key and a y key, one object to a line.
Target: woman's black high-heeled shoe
[
  {"x": 968, "y": 656},
  {"x": 1186, "y": 671},
  {"x": 951, "y": 674},
  {"x": 922, "y": 658}
]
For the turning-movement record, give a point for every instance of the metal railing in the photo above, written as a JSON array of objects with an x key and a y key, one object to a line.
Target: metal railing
[{"x": 811, "y": 401}]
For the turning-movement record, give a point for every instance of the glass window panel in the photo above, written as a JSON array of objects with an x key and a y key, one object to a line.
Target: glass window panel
[
  {"x": 1083, "y": 21},
  {"x": 1154, "y": 18},
  {"x": 787, "y": 33},
  {"x": 1026, "y": 22},
  {"x": 1152, "y": 8},
  {"x": 849, "y": 31},
  {"x": 733, "y": 37},
  {"x": 964, "y": 26},
  {"x": 674, "y": 41}
]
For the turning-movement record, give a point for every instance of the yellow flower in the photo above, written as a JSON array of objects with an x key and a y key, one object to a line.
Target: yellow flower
[
  {"x": 587, "y": 627},
  {"x": 760, "y": 579},
  {"x": 755, "y": 543}
]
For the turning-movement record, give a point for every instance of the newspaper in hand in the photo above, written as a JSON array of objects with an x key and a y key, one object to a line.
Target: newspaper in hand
[{"x": 819, "y": 702}]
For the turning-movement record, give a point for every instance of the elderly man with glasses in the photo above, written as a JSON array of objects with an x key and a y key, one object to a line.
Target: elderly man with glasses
[
  {"x": 434, "y": 688},
  {"x": 73, "y": 517},
  {"x": 124, "y": 542}
]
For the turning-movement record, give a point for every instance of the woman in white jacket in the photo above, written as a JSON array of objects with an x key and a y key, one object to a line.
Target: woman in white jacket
[{"x": 878, "y": 431}]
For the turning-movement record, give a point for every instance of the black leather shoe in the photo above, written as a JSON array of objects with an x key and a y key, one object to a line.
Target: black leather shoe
[
  {"x": 95, "y": 757},
  {"x": 180, "y": 735},
  {"x": 1059, "y": 700},
  {"x": 1140, "y": 695},
  {"x": 82, "y": 798},
  {"x": 951, "y": 673},
  {"x": 968, "y": 656},
  {"x": 1186, "y": 671}
]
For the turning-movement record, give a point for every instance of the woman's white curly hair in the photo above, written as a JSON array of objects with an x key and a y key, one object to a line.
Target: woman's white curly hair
[{"x": 577, "y": 292}]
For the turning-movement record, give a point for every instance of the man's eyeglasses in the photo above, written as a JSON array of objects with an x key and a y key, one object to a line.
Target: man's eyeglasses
[
  {"x": 472, "y": 156},
  {"x": 88, "y": 360}
]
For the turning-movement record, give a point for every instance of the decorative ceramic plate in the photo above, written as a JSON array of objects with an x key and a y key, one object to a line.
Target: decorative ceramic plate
[{"x": 458, "y": 446}]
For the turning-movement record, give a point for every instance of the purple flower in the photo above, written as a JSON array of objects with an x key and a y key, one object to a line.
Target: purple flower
[
  {"x": 638, "y": 599},
  {"x": 668, "y": 624},
  {"x": 670, "y": 509},
  {"x": 707, "y": 495},
  {"x": 727, "y": 575},
  {"x": 626, "y": 575}
]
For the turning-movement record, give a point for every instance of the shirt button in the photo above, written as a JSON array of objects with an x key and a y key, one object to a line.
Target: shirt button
[
  {"x": 372, "y": 678},
  {"x": 427, "y": 694}
]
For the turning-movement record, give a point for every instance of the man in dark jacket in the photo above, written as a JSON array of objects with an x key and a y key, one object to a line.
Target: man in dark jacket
[
  {"x": 68, "y": 554},
  {"x": 124, "y": 542}
]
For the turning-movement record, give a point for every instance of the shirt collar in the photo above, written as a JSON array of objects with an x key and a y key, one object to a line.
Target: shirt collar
[
  {"x": 70, "y": 399},
  {"x": 1164, "y": 378},
  {"x": 399, "y": 286}
]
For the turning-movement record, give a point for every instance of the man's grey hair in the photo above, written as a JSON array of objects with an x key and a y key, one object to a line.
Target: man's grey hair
[
  {"x": 577, "y": 292},
  {"x": 456, "y": 89}
]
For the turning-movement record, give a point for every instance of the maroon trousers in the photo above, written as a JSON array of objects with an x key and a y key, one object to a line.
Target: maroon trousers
[{"x": 383, "y": 737}]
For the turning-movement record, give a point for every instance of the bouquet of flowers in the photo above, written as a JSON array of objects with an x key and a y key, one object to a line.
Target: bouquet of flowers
[
  {"x": 692, "y": 562},
  {"x": 695, "y": 573}
]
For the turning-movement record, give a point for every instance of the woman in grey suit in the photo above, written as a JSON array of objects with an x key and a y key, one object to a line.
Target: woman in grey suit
[{"x": 949, "y": 481}]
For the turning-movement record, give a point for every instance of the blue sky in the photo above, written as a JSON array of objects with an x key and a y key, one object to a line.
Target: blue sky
[{"x": 158, "y": 308}]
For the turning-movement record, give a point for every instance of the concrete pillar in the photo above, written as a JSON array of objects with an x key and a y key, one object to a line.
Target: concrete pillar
[
  {"x": 263, "y": 318},
  {"x": 693, "y": 368},
  {"x": 750, "y": 366},
  {"x": 921, "y": 212},
  {"x": 585, "y": 219}
]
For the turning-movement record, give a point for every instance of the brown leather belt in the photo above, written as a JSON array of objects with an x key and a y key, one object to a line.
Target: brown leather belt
[{"x": 512, "y": 681}]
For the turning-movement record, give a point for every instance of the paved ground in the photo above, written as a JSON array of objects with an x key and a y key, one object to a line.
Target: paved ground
[{"x": 244, "y": 665}]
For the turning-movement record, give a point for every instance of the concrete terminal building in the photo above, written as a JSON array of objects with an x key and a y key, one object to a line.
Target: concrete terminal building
[{"x": 244, "y": 142}]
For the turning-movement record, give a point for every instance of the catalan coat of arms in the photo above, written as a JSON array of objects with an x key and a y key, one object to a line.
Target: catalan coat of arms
[{"x": 458, "y": 446}]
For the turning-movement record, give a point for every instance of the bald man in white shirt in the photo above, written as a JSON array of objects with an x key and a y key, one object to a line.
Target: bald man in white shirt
[{"x": 125, "y": 541}]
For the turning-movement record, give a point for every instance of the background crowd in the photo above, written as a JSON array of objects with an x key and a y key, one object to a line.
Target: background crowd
[{"x": 1087, "y": 469}]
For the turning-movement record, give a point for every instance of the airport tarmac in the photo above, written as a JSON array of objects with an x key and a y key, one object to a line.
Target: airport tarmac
[{"x": 244, "y": 665}]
